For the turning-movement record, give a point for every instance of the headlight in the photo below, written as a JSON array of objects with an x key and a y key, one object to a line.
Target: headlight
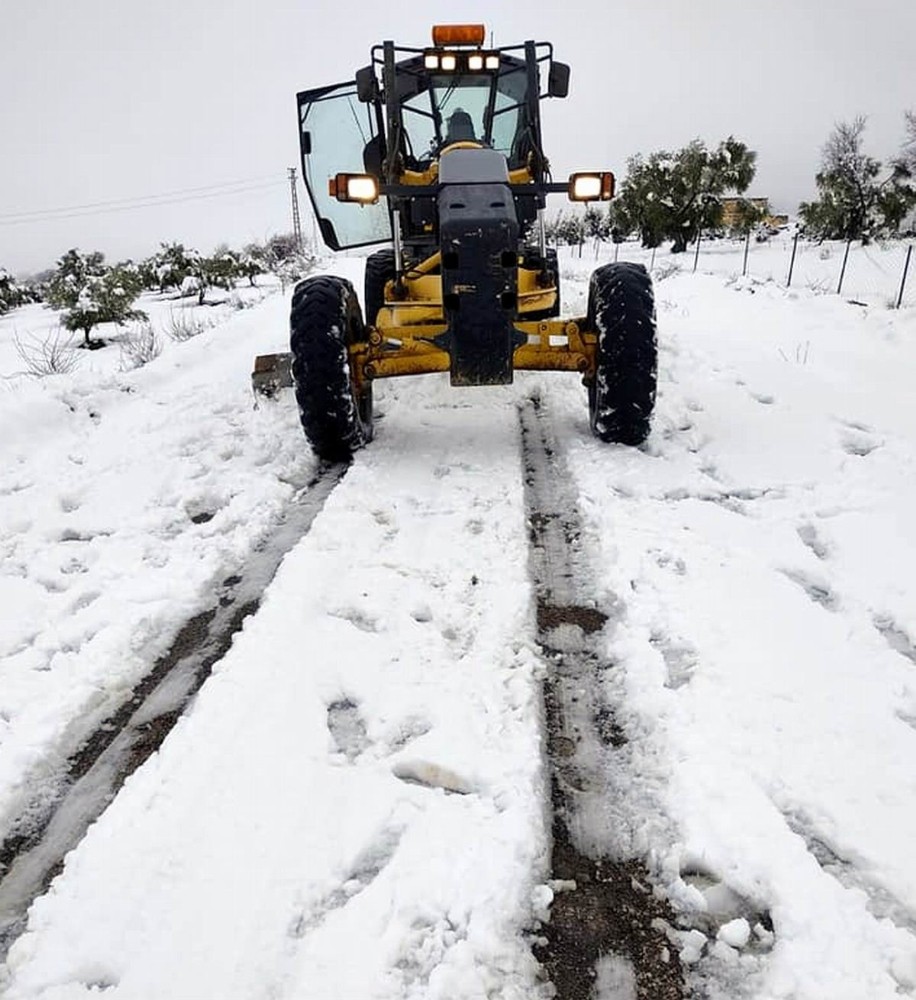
[
  {"x": 591, "y": 186},
  {"x": 361, "y": 188}
]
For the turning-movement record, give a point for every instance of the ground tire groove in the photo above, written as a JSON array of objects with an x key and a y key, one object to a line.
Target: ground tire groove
[
  {"x": 609, "y": 906},
  {"x": 32, "y": 855}
]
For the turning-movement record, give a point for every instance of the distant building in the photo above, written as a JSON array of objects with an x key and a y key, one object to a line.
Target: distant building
[{"x": 731, "y": 212}]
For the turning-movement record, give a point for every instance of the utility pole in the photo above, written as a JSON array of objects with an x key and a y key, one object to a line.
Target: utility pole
[{"x": 297, "y": 222}]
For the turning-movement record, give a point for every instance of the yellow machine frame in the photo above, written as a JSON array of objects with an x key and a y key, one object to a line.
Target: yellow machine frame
[{"x": 402, "y": 341}]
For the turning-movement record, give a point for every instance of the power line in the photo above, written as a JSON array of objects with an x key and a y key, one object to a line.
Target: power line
[
  {"x": 143, "y": 201},
  {"x": 128, "y": 202}
]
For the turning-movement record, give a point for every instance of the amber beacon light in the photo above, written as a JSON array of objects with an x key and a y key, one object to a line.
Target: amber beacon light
[{"x": 458, "y": 34}]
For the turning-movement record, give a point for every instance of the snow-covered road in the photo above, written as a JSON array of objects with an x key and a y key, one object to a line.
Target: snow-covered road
[{"x": 356, "y": 806}]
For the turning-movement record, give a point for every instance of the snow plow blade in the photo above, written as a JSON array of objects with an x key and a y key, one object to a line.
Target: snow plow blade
[{"x": 272, "y": 372}]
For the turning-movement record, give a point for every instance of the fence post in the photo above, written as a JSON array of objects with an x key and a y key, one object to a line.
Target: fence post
[
  {"x": 747, "y": 246},
  {"x": 843, "y": 268},
  {"x": 696, "y": 255},
  {"x": 906, "y": 267},
  {"x": 792, "y": 260},
  {"x": 652, "y": 262},
  {"x": 616, "y": 252}
]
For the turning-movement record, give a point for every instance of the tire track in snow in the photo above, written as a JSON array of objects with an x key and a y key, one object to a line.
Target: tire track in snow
[
  {"x": 31, "y": 857},
  {"x": 851, "y": 873},
  {"x": 604, "y": 909}
]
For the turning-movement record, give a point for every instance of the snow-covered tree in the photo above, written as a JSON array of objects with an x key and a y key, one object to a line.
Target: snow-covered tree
[
  {"x": 72, "y": 274},
  {"x": 149, "y": 277},
  {"x": 12, "y": 294},
  {"x": 596, "y": 223},
  {"x": 253, "y": 261},
  {"x": 287, "y": 258},
  {"x": 282, "y": 246},
  {"x": 191, "y": 272},
  {"x": 567, "y": 228},
  {"x": 906, "y": 161},
  {"x": 172, "y": 265},
  {"x": 89, "y": 292},
  {"x": 853, "y": 203},
  {"x": 218, "y": 271},
  {"x": 674, "y": 196}
]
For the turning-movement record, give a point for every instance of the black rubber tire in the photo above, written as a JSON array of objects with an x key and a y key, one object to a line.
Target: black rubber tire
[
  {"x": 325, "y": 319},
  {"x": 379, "y": 271},
  {"x": 621, "y": 310}
]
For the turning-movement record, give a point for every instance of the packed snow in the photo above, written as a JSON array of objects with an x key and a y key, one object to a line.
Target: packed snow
[{"x": 356, "y": 804}]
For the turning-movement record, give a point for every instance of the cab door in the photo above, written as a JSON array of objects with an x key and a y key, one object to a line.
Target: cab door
[{"x": 335, "y": 131}]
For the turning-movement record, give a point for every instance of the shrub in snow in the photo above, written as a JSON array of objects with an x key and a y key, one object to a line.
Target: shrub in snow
[
  {"x": 666, "y": 270},
  {"x": 140, "y": 345},
  {"x": 183, "y": 326},
  {"x": 51, "y": 355}
]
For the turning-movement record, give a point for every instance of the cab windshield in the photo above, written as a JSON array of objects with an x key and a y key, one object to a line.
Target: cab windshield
[{"x": 457, "y": 108}]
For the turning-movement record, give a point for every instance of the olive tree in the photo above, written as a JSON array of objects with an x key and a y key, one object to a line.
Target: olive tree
[
  {"x": 854, "y": 201},
  {"x": 90, "y": 292},
  {"x": 675, "y": 195}
]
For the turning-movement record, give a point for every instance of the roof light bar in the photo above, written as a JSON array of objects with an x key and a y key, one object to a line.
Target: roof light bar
[{"x": 450, "y": 62}]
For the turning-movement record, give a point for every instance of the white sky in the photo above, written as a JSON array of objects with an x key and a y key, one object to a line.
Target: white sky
[{"x": 120, "y": 99}]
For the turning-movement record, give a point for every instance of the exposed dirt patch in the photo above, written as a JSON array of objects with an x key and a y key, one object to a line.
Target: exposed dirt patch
[
  {"x": 550, "y": 616},
  {"x": 612, "y": 909}
]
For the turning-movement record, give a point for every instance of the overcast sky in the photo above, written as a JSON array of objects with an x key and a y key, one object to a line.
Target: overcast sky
[{"x": 129, "y": 100}]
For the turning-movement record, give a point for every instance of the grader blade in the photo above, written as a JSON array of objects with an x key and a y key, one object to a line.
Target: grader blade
[{"x": 272, "y": 372}]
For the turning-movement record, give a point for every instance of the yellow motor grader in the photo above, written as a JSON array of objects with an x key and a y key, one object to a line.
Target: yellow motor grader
[{"x": 436, "y": 152}]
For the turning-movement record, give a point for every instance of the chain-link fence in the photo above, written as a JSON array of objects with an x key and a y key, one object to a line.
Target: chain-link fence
[{"x": 881, "y": 273}]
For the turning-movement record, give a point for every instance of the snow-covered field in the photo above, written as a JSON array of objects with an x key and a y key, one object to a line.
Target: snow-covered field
[
  {"x": 877, "y": 274},
  {"x": 356, "y": 805}
]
